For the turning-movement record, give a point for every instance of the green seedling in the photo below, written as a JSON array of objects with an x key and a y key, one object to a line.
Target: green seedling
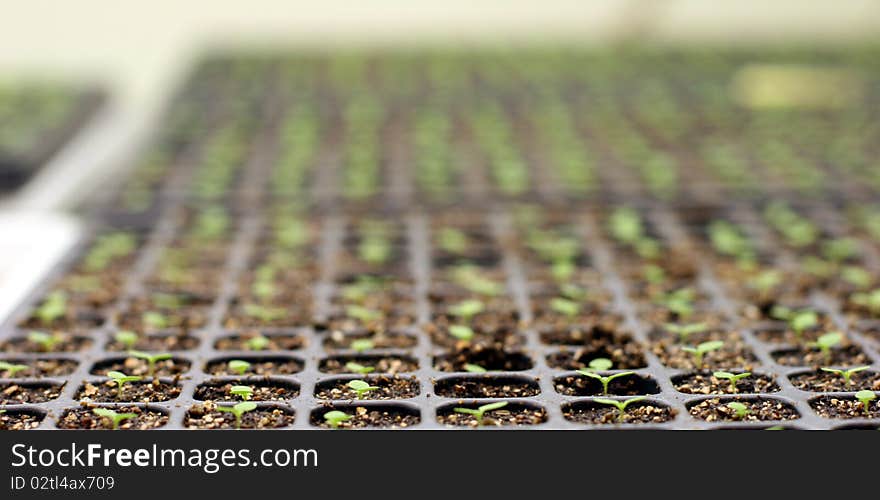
[
  {"x": 363, "y": 314},
  {"x": 53, "y": 308},
  {"x": 846, "y": 374},
  {"x": 126, "y": 338},
  {"x": 154, "y": 320},
  {"x": 46, "y": 341},
  {"x": 865, "y": 397},
  {"x": 238, "y": 410},
  {"x": 452, "y": 240},
  {"x": 841, "y": 249},
  {"x": 472, "y": 368},
  {"x": 600, "y": 364},
  {"x": 562, "y": 270},
  {"x": 481, "y": 411},
  {"x": 469, "y": 277},
  {"x": 626, "y": 225},
  {"x": 798, "y": 321},
  {"x": 374, "y": 249},
  {"x": 653, "y": 274},
  {"x": 733, "y": 378},
  {"x": 861, "y": 279},
  {"x": 257, "y": 343},
  {"x": 10, "y": 369},
  {"x": 568, "y": 308},
  {"x": 740, "y": 411},
  {"x": 685, "y": 331},
  {"x": 359, "y": 368},
  {"x": 466, "y": 309},
  {"x": 361, "y": 345},
  {"x": 360, "y": 388},
  {"x": 571, "y": 291},
  {"x": 604, "y": 380},
  {"x": 868, "y": 300},
  {"x": 108, "y": 247},
  {"x": 335, "y": 418},
  {"x": 238, "y": 366},
  {"x": 245, "y": 392},
  {"x": 151, "y": 359},
  {"x": 679, "y": 302},
  {"x": 702, "y": 349},
  {"x": 826, "y": 342},
  {"x": 765, "y": 281},
  {"x": 727, "y": 240},
  {"x": 121, "y": 379},
  {"x": 620, "y": 405},
  {"x": 266, "y": 314},
  {"x": 168, "y": 300},
  {"x": 113, "y": 417},
  {"x": 461, "y": 332}
]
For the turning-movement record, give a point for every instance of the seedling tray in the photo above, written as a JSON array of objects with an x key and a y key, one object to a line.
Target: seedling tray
[
  {"x": 253, "y": 178},
  {"x": 38, "y": 120}
]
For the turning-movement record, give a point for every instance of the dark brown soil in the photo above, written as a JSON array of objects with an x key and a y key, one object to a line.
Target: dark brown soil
[
  {"x": 178, "y": 321},
  {"x": 821, "y": 381},
  {"x": 506, "y": 339},
  {"x": 389, "y": 387},
  {"x": 716, "y": 410},
  {"x": 41, "y": 368},
  {"x": 277, "y": 342},
  {"x": 297, "y": 313},
  {"x": 14, "y": 394},
  {"x": 735, "y": 354},
  {"x": 390, "y": 417},
  {"x": 204, "y": 416},
  {"x": 69, "y": 344},
  {"x": 16, "y": 420},
  {"x": 624, "y": 356},
  {"x": 382, "y": 364},
  {"x": 587, "y": 334},
  {"x": 640, "y": 412},
  {"x": 705, "y": 383},
  {"x": 259, "y": 366},
  {"x": 486, "y": 386},
  {"x": 783, "y": 335},
  {"x": 488, "y": 358},
  {"x": 158, "y": 343},
  {"x": 139, "y": 367},
  {"x": 264, "y": 390},
  {"x": 399, "y": 316},
  {"x": 139, "y": 392},
  {"x": 844, "y": 407},
  {"x": 381, "y": 340},
  {"x": 514, "y": 414},
  {"x": 630, "y": 385},
  {"x": 848, "y": 356},
  {"x": 84, "y": 418},
  {"x": 78, "y": 320}
]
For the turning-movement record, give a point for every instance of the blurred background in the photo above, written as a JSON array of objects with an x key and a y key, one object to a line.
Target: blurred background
[{"x": 139, "y": 47}]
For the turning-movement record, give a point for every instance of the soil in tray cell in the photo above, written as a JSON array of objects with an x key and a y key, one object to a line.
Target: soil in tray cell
[
  {"x": 28, "y": 392},
  {"x": 845, "y": 407},
  {"x": 141, "y": 418},
  {"x": 58, "y": 343},
  {"x": 752, "y": 410},
  {"x": 386, "y": 417},
  {"x": 381, "y": 387},
  {"x": 262, "y": 390},
  {"x": 206, "y": 416},
  {"x": 377, "y": 340},
  {"x": 156, "y": 343},
  {"x": 487, "y": 358},
  {"x": 706, "y": 383},
  {"x": 623, "y": 351},
  {"x": 141, "y": 368},
  {"x": 631, "y": 384},
  {"x": 512, "y": 414},
  {"x": 845, "y": 356},
  {"x": 257, "y": 341},
  {"x": 139, "y": 391},
  {"x": 824, "y": 381},
  {"x": 732, "y": 353},
  {"x": 20, "y": 420},
  {"x": 486, "y": 386},
  {"x": 637, "y": 412},
  {"x": 390, "y": 364},
  {"x": 35, "y": 368},
  {"x": 263, "y": 366}
]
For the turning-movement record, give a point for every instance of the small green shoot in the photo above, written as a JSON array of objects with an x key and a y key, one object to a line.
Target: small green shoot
[
  {"x": 600, "y": 364},
  {"x": 265, "y": 314},
  {"x": 363, "y": 314},
  {"x": 467, "y": 309},
  {"x": 865, "y": 397},
  {"x": 868, "y": 300},
  {"x": 10, "y": 369},
  {"x": 359, "y": 368},
  {"x": 740, "y": 411},
  {"x": 53, "y": 308},
  {"x": 798, "y": 321},
  {"x": 257, "y": 343},
  {"x": 481, "y": 411},
  {"x": 846, "y": 374},
  {"x": 238, "y": 366},
  {"x": 702, "y": 349},
  {"x": 360, "y": 388},
  {"x": 238, "y": 410},
  {"x": 826, "y": 342},
  {"x": 154, "y": 320},
  {"x": 472, "y": 368},
  {"x": 733, "y": 378},
  {"x": 335, "y": 418},
  {"x": 46, "y": 341},
  {"x": 566, "y": 307},
  {"x": 121, "y": 379},
  {"x": 361, "y": 345},
  {"x": 126, "y": 338},
  {"x": 113, "y": 417},
  {"x": 685, "y": 331},
  {"x": 461, "y": 332},
  {"x": 620, "y": 405},
  {"x": 452, "y": 240},
  {"x": 245, "y": 392},
  {"x": 151, "y": 359},
  {"x": 604, "y": 380}
]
